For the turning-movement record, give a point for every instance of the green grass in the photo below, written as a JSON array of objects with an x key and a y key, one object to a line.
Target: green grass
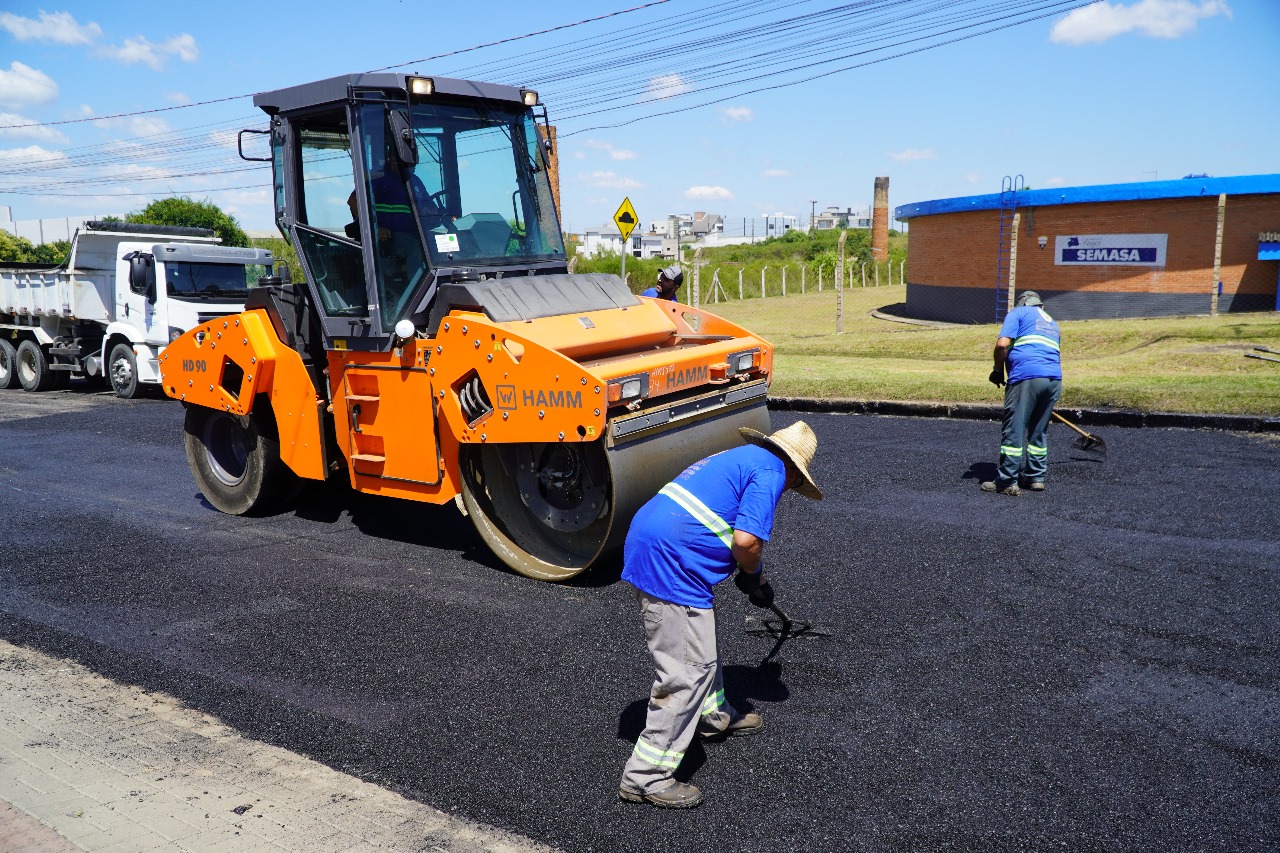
[{"x": 1184, "y": 364}]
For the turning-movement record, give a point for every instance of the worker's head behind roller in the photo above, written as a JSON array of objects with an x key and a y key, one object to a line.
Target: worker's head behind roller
[
  {"x": 795, "y": 445},
  {"x": 669, "y": 279}
]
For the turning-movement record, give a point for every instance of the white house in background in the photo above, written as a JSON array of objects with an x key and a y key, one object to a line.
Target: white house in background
[
  {"x": 607, "y": 240},
  {"x": 834, "y": 217}
]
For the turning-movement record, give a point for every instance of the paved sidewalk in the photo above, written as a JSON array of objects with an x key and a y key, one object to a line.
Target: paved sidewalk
[{"x": 86, "y": 763}]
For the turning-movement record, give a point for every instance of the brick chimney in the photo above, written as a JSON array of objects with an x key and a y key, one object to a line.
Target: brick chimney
[{"x": 880, "y": 221}]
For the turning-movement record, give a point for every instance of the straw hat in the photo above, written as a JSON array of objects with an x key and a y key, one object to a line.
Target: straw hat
[{"x": 798, "y": 443}]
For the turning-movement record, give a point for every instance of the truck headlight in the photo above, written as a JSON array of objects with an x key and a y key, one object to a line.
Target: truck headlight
[
  {"x": 175, "y": 333},
  {"x": 530, "y": 97},
  {"x": 422, "y": 86}
]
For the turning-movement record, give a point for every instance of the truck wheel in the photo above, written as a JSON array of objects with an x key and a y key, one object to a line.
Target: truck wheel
[
  {"x": 122, "y": 369},
  {"x": 236, "y": 466},
  {"x": 8, "y": 365},
  {"x": 33, "y": 367}
]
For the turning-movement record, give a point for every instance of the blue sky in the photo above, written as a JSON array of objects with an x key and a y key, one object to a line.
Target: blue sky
[{"x": 1123, "y": 90}]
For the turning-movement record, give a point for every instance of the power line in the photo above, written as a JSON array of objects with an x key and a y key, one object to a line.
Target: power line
[{"x": 386, "y": 68}]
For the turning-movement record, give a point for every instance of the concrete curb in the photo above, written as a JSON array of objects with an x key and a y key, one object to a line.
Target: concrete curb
[{"x": 981, "y": 412}]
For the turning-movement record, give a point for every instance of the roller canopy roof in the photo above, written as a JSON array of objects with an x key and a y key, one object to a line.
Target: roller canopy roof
[
  {"x": 1190, "y": 187},
  {"x": 337, "y": 89}
]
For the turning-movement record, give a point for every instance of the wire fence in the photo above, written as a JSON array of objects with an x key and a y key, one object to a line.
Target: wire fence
[{"x": 791, "y": 286}]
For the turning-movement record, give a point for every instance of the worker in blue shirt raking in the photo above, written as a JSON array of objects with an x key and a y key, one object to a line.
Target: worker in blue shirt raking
[
  {"x": 710, "y": 521},
  {"x": 669, "y": 281},
  {"x": 1028, "y": 358}
]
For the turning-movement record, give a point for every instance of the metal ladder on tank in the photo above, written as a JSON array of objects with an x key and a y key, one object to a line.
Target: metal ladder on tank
[{"x": 1009, "y": 190}]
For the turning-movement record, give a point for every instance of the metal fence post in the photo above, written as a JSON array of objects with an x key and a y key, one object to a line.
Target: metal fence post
[
  {"x": 740, "y": 294},
  {"x": 877, "y": 266},
  {"x": 820, "y": 268},
  {"x": 697, "y": 279},
  {"x": 803, "y": 267},
  {"x": 784, "y": 280},
  {"x": 844, "y": 235},
  {"x": 864, "y": 275},
  {"x": 762, "y": 293}
]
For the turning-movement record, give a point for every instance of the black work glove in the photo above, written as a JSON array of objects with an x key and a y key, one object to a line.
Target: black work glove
[
  {"x": 759, "y": 592},
  {"x": 997, "y": 377}
]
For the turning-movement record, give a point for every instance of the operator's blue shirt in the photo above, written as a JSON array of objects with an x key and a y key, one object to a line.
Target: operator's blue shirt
[
  {"x": 653, "y": 291},
  {"x": 1035, "y": 352},
  {"x": 672, "y": 556}
]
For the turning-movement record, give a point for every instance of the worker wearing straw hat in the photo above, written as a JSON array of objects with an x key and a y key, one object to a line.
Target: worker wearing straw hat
[{"x": 712, "y": 519}]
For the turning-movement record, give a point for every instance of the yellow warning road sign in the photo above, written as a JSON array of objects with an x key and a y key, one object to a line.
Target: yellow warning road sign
[{"x": 625, "y": 219}]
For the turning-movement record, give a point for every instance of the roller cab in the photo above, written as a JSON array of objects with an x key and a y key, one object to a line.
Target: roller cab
[{"x": 438, "y": 349}]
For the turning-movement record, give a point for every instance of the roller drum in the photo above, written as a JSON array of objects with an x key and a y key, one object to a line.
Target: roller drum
[{"x": 551, "y": 510}]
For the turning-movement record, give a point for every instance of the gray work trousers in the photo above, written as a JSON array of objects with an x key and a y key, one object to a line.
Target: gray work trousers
[
  {"x": 1024, "y": 444},
  {"x": 687, "y": 694}
]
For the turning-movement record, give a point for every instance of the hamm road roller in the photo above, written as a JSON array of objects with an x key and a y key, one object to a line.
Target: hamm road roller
[{"x": 438, "y": 348}]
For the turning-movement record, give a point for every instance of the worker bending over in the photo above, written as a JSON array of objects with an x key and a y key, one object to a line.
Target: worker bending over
[
  {"x": 1028, "y": 351},
  {"x": 713, "y": 518}
]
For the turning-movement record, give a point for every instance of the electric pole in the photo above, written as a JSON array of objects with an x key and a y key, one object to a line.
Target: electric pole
[{"x": 813, "y": 206}]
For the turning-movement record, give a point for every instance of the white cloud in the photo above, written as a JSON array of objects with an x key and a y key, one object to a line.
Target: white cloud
[
  {"x": 909, "y": 155},
  {"x": 1054, "y": 182},
  {"x": 609, "y": 180},
  {"x": 22, "y": 85},
  {"x": 733, "y": 114},
  {"x": 141, "y": 49},
  {"x": 60, "y": 28},
  {"x": 667, "y": 86},
  {"x": 607, "y": 147},
  {"x": 713, "y": 193},
  {"x": 579, "y": 155},
  {"x": 776, "y": 173},
  {"x": 32, "y": 154},
  {"x": 135, "y": 125},
  {"x": 1166, "y": 19},
  {"x": 972, "y": 178},
  {"x": 177, "y": 98},
  {"x": 39, "y": 133}
]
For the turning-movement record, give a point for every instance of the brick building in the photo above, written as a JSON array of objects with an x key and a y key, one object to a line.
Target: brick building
[{"x": 1116, "y": 250}]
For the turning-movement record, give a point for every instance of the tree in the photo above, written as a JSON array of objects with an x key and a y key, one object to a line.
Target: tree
[{"x": 193, "y": 214}]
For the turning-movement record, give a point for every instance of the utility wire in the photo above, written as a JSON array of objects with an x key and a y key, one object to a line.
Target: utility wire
[{"x": 386, "y": 68}]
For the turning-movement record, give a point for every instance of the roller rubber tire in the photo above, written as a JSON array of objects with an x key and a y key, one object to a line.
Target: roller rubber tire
[
  {"x": 235, "y": 463},
  {"x": 8, "y": 365},
  {"x": 122, "y": 371},
  {"x": 33, "y": 367}
]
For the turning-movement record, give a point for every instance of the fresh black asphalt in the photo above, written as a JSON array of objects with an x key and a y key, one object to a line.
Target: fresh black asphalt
[{"x": 1091, "y": 668}]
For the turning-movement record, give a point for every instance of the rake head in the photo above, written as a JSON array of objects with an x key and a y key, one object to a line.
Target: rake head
[{"x": 1091, "y": 444}]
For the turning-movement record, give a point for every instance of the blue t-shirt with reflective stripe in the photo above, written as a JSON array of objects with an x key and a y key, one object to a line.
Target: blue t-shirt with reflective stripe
[
  {"x": 671, "y": 555},
  {"x": 1036, "y": 344}
]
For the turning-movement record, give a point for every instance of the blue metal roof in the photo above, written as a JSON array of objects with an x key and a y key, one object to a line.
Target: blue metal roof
[{"x": 1182, "y": 188}]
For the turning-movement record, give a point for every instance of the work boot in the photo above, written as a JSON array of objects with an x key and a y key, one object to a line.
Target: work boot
[
  {"x": 1011, "y": 489},
  {"x": 679, "y": 795},
  {"x": 1036, "y": 486},
  {"x": 741, "y": 725}
]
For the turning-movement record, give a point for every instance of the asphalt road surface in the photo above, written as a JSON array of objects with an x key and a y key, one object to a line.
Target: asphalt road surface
[{"x": 1091, "y": 668}]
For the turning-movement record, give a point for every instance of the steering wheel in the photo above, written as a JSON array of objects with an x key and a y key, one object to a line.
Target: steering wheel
[{"x": 437, "y": 201}]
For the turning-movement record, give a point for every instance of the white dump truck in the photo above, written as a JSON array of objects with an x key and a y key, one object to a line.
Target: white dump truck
[{"x": 123, "y": 294}]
